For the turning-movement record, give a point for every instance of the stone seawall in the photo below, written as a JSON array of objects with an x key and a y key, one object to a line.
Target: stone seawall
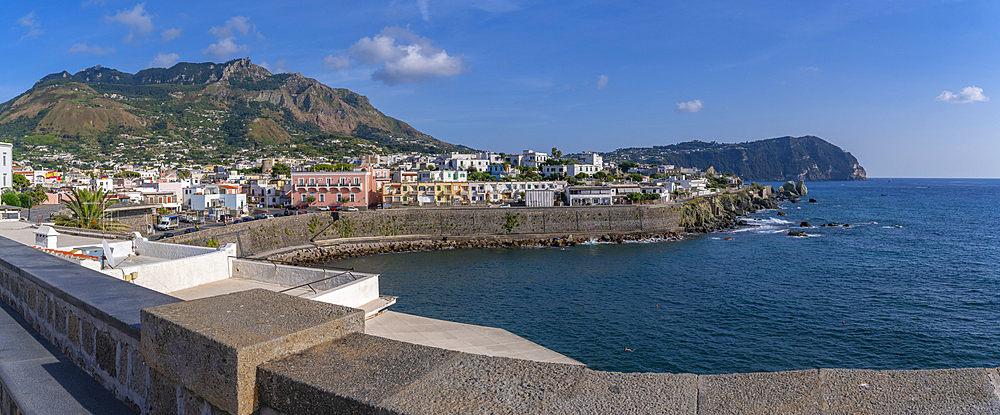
[
  {"x": 355, "y": 247},
  {"x": 316, "y": 228},
  {"x": 436, "y": 228}
]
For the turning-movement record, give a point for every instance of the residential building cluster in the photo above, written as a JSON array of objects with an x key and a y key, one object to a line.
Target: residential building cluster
[{"x": 374, "y": 181}]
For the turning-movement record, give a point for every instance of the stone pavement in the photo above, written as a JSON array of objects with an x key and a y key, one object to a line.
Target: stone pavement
[{"x": 460, "y": 337}]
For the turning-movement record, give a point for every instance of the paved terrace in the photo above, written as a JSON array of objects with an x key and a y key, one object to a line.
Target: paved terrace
[{"x": 158, "y": 354}]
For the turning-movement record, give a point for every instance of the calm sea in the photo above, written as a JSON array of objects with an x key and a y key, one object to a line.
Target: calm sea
[{"x": 911, "y": 284}]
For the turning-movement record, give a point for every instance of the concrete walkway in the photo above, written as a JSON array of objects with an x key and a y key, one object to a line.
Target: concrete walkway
[
  {"x": 460, "y": 337},
  {"x": 41, "y": 380}
]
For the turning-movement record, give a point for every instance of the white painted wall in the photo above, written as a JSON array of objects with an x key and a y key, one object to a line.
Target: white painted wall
[{"x": 353, "y": 294}]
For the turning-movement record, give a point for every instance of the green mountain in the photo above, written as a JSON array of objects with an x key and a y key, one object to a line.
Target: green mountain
[
  {"x": 776, "y": 159},
  {"x": 211, "y": 110}
]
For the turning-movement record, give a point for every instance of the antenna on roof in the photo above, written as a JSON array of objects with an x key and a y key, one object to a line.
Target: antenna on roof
[{"x": 110, "y": 260}]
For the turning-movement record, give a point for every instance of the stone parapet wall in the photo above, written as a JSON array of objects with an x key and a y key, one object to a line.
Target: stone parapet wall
[
  {"x": 294, "y": 356},
  {"x": 90, "y": 317}
]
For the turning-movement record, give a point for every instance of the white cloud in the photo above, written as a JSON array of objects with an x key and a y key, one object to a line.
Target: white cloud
[
  {"x": 337, "y": 62},
  {"x": 164, "y": 60},
  {"x": 223, "y": 48},
  {"x": 138, "y": 21},
  {"x": 968, "y": 94},
  {"x": 690, "y": 106},
  {"x": 406, "y": 57},
  {"x": 29, "y": 22},
  {"x": 171, "y": 34},
  {"x": 227, "y": 34},
  {"x": 97, "y": 50},
  {"x": 602, "y": 81},
  {"x": 279, "y": 66},
  {"x": 424, "y": 10}
]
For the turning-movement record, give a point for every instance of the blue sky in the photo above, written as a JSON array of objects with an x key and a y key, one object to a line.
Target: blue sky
[{"x": 905, "y": 86}]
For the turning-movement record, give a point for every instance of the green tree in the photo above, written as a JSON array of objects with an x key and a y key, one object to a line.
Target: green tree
[
  {"x": 183, "y": 174},
  {"x": 89, "y": 209},
  {"x": 280, "y": 169},
  {"x": 635, "y": 177},
  {"x": 10, "y": 198},
  {"x": 556, "y": 153},
  {"x": 21, "y": 182},
  {"x": 625, "y": 165},
  {"x": 127, "y": 174}
]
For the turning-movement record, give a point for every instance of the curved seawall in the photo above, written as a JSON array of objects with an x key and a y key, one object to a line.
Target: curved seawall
[{"x": 320, "y": 237}]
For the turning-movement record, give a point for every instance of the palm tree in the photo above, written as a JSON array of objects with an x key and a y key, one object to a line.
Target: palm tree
[{"x": 89, "y": 211}]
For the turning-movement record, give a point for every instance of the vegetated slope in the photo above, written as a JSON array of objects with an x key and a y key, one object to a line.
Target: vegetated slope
[
  {"x": 235, "y": 104},
  {"x": 776, "y": 159}
]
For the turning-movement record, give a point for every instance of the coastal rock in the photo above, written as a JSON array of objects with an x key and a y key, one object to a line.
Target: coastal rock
[
  {"x": 797, "y": 233},
  {"x": 812, "y": 200},
  {"x": 805, "y": 225},
  {"x": 847, "y": 225},
  {"x": 800, "y": 188},
  {"x": 782, "y": 214}
]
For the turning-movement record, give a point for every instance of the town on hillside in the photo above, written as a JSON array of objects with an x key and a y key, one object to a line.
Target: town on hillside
[{"x": 268, "y": 187}]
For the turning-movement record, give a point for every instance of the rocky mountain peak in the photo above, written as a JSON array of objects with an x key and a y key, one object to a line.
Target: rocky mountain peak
[{"x": 243, "y": 69}]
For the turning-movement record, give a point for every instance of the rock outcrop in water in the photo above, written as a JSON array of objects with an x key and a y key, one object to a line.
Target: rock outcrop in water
[
  {"x": 722, "y": 211},
  {"x": 791, "y": 190}
]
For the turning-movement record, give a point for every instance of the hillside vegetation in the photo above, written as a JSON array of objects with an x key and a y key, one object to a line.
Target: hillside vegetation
[{"x": 205, "y": 110}]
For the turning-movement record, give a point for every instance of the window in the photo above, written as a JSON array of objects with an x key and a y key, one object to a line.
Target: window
[
  {"x": 404, "y": 188},
  {"x": 342, "y": 181},
  {"x": 322, "y": 197},
  {"x": 357, "y": 181},
  {"x": 301, "y": 181},
  {"x": 329, "y": 181},
  {"x": 352, "y": 197},
  {"x": 312, "y": 181}
]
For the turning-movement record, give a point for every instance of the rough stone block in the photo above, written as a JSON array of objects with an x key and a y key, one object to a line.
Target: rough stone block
[
  {"x": 60, "y": 319},
  {"x": 193, "y": 404},
  {"x": 793, "y": 392},
  {"x": 88, "y": 337},
  {"x": 106, "y": 354},
  {"x": 73, "y": 329},
  {"x": 348, "y": 375},
  {"x": 162, "y": 395},
  {"x": 213, "y": 346},
  {"x": 633, "y": 393},
  {"x": 122, "y": 363},
  {"x": 943, "y": 391},
  {"x": 137, "y": 372}
]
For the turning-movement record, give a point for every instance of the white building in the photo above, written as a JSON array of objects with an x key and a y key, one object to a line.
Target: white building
[
  {"x": 590, "y": 195},
  {"x": 570, "y": 169},
  {"x": 495, "y": 192},
  {"x": 6, "y": 165},
  {"x": 528, "y": 158},
  {"x": 442, "y": 176},
  {"x": 456, "y": 161},
  {"x": 591, "y": 158},
  {"x": 215, "y": 196}
]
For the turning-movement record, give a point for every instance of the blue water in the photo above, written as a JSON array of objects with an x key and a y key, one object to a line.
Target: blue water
[{"x": 873, "y": 296}]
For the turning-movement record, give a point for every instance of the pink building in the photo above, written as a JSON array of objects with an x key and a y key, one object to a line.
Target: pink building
[{"x": 340, "y": 188}]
